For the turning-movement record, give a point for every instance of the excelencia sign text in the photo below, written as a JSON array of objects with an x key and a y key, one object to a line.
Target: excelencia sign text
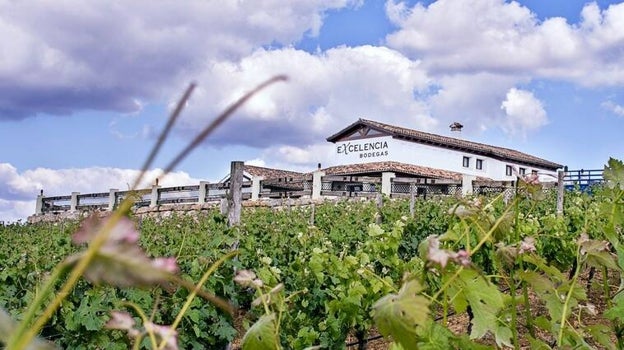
[{"x": 366, "y": 149}]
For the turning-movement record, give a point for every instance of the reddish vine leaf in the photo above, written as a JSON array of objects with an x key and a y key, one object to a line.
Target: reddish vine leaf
[
  {"x": 400, "y": 315},
  {"x": 120, "y": 261},
  {"x": 598, "y": 252},
  {"x": 8, "y": 326}
]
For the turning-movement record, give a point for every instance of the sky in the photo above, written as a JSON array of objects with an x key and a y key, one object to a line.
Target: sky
[{"x": 86, "y": 86}]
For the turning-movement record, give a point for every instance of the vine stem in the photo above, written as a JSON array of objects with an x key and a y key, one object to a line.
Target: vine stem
[
  {"x": 194, "y": 292},
  {"x": 369, "y": 271},
  {"x": 568, "y": 297},
  {"x": 445, "y": 307},
  {"x": 489, "y": 234},
  {"x": 144, "y": 319},
  {"x": 613, "y": 238},
  {"x": 512, "y": 275},
  {"x": 527, "y": 304},
  {"x": 447, "y": 283},
  {"x": 514, "y": 316}
]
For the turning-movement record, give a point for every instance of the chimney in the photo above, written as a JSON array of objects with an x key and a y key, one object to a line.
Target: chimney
[{"x": 456, "y": 127}]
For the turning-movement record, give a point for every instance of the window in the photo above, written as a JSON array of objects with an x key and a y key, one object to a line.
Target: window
[
  {"x": 508, "y": 170},
  {"x": 522, "y": 171},
  {"x": 466, "y": 162},
  {"x": 479, "y": 164}
]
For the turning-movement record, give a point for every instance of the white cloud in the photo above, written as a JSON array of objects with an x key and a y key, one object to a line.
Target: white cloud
[
  {"x": 523, "y": 112},
  {"x": 19, "y": 189},
  {"x": 613, "y": 108},
  {"x": 496, "y": 36},
  {"x": 256, "y": 162},
  {"x": 304, "y": 157},
  {"x": 14, "y": 210},
  {"x": 326, "y": 91},
  {"x": 472, "y": 99},
  {"x": 70, "y": 55}
]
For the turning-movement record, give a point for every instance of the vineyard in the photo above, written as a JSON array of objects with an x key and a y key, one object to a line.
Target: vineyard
[{"x": 335, "y": 275}]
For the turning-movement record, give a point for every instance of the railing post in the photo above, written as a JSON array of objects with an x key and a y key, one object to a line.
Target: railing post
[
  {"x": 236, "y": 192},
  {"x": 112, "y": 199},
  {"x": 379, "y": 200},
  {"x": 386, "y": 182},
  {"x": 412, "y": 198},
  {"x": 560, "y": 191},
  {"x": 467, "y": 184},
  {"x": 73, "y": 204},
  {"x": 39, "y": 205},
  {"x": 154, "y": 198},
  {"x": 256, "y": 186},
  {"x": 317, "y": 184},
  {"x": 203, "y": 192}
]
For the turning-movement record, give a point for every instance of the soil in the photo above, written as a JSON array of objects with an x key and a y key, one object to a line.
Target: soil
[{"x": 459, "y": 324}]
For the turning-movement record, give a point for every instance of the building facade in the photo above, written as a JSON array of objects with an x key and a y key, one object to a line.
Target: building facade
[{"x": 367, "y": 141}]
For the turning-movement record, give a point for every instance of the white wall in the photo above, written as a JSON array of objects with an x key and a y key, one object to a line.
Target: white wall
[{"x": 388, "y": 149}]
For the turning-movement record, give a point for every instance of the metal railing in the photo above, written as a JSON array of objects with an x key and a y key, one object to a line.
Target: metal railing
[{"x": 583, "y": 178}]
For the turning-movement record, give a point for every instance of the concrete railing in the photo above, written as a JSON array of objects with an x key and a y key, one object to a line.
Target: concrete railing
[
  {"x": 315, "y": 186},
  {"x": 155, "y": 196}
]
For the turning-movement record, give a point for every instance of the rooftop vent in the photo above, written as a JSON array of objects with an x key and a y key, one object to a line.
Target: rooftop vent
[{"x": 456, "y": 127}]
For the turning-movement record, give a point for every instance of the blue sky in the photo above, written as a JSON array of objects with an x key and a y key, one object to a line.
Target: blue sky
[{"x": 85, "y": 86}]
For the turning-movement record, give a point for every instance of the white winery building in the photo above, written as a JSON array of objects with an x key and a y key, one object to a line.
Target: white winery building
[{"x": 367, "y": 142}]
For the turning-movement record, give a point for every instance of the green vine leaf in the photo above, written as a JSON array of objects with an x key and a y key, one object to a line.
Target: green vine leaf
[
  {"x": 503, "y": 336},
  {"x": 400, "y": 315},
  {"x": 537, "y": 344},
  {"x": 616, "y": 312},
  {"x": 262, "y": 335},
  {"x": 601, "y": 334},
  {"x": 395, "y": 346},
  {"x": 484, "y": 298},
  {"x": 614, "y": 173}
]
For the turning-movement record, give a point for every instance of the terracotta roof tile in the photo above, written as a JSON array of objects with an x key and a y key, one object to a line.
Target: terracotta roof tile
[
  {"x": 453, "y": 143},
  {"x": 396, "y": 167},
  {"x": 269, "y": 173}
]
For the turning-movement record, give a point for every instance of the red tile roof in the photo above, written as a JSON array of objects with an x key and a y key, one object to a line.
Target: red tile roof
[
  {"x": 269, "y": 173},
  {"x": 277, "y": 178},
  {"x": 396, "y": 167},
  {"x": 449, "y": 142}
]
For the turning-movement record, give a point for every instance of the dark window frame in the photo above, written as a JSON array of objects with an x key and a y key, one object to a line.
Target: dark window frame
[
  {"x": 522, "y": 171},
  {"x": 508, "y": 170},
  {"x": 479, "y": 164},
  {"x": 466, "y": 162}
]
